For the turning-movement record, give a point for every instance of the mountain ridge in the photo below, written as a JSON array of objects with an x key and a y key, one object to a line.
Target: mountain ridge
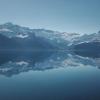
[{"x": 62, "y": 40}]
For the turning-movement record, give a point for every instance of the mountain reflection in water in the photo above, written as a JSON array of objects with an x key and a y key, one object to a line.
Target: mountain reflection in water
[{"x": 15, "y": 62}]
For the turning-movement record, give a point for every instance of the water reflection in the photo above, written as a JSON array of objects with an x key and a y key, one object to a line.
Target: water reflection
[{"x": 15, "y": 62}]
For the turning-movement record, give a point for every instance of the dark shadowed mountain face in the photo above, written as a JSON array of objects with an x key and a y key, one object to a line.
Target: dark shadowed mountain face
[
  {"x": 91, "y": 49},
  {"x": 30, "y": 43}
]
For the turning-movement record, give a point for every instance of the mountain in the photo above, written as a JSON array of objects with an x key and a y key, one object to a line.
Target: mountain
[
  {"x": 88, "y": 44},
  {"x": 11, "y": 39},
  {"x": 59, "y": 40},
  {"x": 12, "y": 30},
  {"x": 90, "y": 49},
  {"x": 55, "y": 38},
  {"x": 86, "y": 38}
]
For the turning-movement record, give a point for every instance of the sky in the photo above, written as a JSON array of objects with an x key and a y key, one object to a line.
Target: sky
[{"x": 80, "y": 16}]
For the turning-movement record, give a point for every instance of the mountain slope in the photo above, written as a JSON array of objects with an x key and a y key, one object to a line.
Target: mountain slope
[
  {"x": 55, "y": 38},
  {"x": 59, "y": 40},
  {"x": 32, "y": 43}
]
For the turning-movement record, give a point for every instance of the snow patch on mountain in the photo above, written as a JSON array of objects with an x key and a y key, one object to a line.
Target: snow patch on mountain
[
  {"x": 22, "y": 35},
  {"x": 5, "y": 30}
]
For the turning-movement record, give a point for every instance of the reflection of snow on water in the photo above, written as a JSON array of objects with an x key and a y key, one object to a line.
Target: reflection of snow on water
[
  {"x": 56, "y": 60},
  {"x": 4, "y": 69},
  {"x": 21, "y": 63}
]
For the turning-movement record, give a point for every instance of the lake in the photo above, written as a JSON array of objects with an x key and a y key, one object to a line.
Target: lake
[{"x": 49, "y": 75}]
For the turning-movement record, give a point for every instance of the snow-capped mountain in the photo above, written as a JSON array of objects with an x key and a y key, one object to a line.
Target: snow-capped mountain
[
  {"x": 12, "y": 30},
  {"x": 58, "y": 39},
  {"x": 62, "y": 40},
  {"x": 16, "y": 37},
  {"x": 87, "y": 44},
  {"x": 87, "y": 38}
]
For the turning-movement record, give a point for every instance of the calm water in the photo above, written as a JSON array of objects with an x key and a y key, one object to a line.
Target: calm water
[{"x": 46, "y": 75}]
